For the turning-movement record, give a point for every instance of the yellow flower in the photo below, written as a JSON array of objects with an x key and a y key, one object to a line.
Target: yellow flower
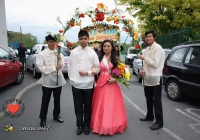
[
  {"x": 135, "y": 36},
  {"x": 127, "y": 76}
]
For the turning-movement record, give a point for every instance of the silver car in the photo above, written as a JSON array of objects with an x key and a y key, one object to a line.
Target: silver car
[
  {"x": 137, "y": 65},
  {"x": 31, "y": 59}
]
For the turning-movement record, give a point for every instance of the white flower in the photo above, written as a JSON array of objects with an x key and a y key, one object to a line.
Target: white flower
[
  {"x": 62, "y": 37},
  {"x": 48, "y": 32}
]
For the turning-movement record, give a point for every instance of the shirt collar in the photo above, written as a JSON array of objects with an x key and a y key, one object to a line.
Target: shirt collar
[
  {"x": 82, "y": 48},
  {"x": 152, "y": 46},
  {"x": 50, "y": 51}
]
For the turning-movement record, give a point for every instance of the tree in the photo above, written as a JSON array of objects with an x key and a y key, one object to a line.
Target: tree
[
  {"x": 27, "y": 39},
  {"x": 164, "y": 15}
]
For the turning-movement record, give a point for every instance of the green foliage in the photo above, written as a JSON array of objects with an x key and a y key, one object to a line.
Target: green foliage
[
  {"x": 27, "y": 39},
  {"x": 164, "y": 15}
]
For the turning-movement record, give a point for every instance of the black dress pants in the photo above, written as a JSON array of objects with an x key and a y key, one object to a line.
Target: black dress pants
[
  {"x": 82, "y": 105},
  {"x": 153, "y": 96},
  {"x": 45, "y": 101}
]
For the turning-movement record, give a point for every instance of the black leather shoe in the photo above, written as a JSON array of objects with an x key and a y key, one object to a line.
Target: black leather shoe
[
  {"x": 79, "y": 130},
  {"x": 43, "y": 124},
  {"x": 156, "y": 126},
  {"x": 146, "y": 119},
  {"x": 58, "y": 119},
  {"x": 87, "y": 130}
]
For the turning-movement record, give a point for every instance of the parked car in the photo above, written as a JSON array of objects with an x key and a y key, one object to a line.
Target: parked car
[
  {"x": 137, "y": 65},
  {"x": 10, "y": 69},
  {"x": 181, "y": 73},
  {"x": 130, "y": 56},
  {"x": 13, "y": 52},
  {"x": 31, "y": 59}
]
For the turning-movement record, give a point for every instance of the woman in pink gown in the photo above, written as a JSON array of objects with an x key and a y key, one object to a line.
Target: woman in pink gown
[{"x": 108, "y": 110}]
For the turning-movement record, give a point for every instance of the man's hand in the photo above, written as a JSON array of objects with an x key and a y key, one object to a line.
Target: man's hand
[
  {"x": 83, "y": 73},
  {"x": 58, "y": 56},
  {"x": 142, "y": 57},
  {"x": 58, "y": 67},
  {"x": 94, "y": 71},
  {"x": 142, "y": 72}
]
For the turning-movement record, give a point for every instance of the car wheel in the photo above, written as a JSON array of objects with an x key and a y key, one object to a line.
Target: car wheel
[
  {"x": 139, "y": 77},
  {"x": 173, "y": 90},
  {"x": 20, "y": 77},
  {"x": 35, "y": 73}
]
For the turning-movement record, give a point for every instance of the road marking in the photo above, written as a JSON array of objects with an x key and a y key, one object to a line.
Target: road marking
[
  {"x": 194, "y": 114},
  {"x": 194, "y": 125},
  {"x": 144, "y": 113},
  {"x": 189, "y": 116},
  {"x": 20, "y": 94}
]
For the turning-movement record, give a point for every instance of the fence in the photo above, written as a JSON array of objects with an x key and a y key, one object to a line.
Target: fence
[{"x": 177, "y": 37}]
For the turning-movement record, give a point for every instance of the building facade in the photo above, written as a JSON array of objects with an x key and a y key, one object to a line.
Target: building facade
[{"x": 3, "y": 27}]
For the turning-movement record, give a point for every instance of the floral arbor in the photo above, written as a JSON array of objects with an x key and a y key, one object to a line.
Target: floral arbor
[{"x": 100, "y": 30}]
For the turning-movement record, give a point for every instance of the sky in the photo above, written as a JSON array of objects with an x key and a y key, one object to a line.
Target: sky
[{"x": 39, "y": 16}]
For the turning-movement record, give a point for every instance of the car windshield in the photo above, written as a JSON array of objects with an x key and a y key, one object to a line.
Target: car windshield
[{"x": 64, "y": 51}]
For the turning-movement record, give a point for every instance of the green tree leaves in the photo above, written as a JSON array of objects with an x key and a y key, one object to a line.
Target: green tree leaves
[{"x": 164, "y": 15}]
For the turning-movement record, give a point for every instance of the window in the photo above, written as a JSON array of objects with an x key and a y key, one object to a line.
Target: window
[
  {"x": 4, "y": 55},
  {"x": 64, "y": 51},
  {"x": 178, "y": 55},
  {"x": 193, "y": 56}
]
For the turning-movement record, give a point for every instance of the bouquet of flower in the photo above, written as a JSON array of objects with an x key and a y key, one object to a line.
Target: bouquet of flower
[
  {"x": 122, "y": 74},
  {"x": 60, "y": 38}
]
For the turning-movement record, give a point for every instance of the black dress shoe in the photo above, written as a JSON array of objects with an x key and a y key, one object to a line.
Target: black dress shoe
[
  {"x": 79, "y": 130},
  {"x": 156, "y": 126},
  {"x": 87, "y": 130},
  {"x": 146, "y": 119},
  {"x": 43, "y": 124},
  {"x": 58, "y": 119}
]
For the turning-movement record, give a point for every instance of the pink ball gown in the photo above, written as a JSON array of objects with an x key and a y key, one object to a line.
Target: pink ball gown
[{"x": 108, "y": 110}]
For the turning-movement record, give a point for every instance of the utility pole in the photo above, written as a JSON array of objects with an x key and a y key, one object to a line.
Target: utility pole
[{"x": 21, "y": 33}]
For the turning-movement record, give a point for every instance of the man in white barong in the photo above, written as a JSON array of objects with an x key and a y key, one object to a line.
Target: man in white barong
[
  {"x": 153, "y": 63},
  {"x": 46, "y": 61}
]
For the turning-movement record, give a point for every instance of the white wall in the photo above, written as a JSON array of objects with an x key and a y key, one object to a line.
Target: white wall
[{"x": 3, "y": 28}]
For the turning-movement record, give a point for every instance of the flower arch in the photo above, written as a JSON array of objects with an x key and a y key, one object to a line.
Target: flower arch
[{"x": 98, "y": 16}]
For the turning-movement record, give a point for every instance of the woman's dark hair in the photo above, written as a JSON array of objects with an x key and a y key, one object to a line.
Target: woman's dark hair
[
  {"x": 83, "y": 33},
  {"x": 113, "y": 56}
]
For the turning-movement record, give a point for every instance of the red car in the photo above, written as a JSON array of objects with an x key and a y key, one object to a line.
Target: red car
[{"x": 10, "y": 69}]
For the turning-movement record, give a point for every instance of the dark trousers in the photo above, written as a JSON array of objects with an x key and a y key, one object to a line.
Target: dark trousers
[
  {"x": 153, "y": 96},
  {"x": 82, "y": 105},
  {"x": 45, "y": 101},
  {"x": 22, "y": 60}
]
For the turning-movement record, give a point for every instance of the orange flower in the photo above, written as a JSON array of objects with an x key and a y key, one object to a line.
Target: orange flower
[
  {"x": 70, "y": 44},
  {"x": 100, "y": 5},
  {"x": 135, "y": 36},
  {"x": 60, "y": 31},
  {"x": 110, "y": 26},
  {"x": 95, "y": 26},
  {"x": 58, "y": 46},
  {"x": 88, "y": 29},
  {"x": 137, "y": 47}
]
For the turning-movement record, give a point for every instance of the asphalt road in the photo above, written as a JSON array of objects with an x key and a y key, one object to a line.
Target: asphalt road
[{"x": 181, "y": 119}]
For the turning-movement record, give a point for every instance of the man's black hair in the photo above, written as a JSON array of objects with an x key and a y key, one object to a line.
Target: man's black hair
[
  {"x": 83, "y": 33},
  {"x": 151, "y": 32},
  {"x": 50, "y": 37}
]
